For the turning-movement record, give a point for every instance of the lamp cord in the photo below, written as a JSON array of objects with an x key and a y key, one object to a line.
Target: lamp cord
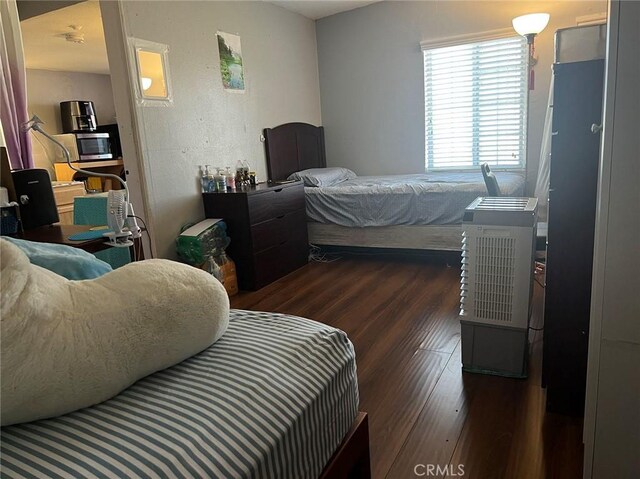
[{"x": 146, "y": 230}]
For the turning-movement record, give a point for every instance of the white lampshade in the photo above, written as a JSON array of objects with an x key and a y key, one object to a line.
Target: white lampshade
[
  {"x": 531, "y": 24},
  {"x": 146, "y": 83}
]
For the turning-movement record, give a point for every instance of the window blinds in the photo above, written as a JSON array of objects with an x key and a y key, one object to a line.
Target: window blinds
[{"x": 476, "y": 104}]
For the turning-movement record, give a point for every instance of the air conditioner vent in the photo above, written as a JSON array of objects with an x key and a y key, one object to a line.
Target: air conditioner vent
[
  {"x": 497, "y": 261},
  {"x": 494, "y": 272}
]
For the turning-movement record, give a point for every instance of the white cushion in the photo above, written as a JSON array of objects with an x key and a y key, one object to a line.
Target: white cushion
[{"x": 67, "y": 344}]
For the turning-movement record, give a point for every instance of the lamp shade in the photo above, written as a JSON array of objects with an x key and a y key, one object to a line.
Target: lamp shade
[{"x": 531, "y": 24}]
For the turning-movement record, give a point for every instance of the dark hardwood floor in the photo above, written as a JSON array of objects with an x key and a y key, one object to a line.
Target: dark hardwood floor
[{"x": 402, "y": 317}]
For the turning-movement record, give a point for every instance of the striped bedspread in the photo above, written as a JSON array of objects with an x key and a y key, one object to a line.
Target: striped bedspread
[{"x": 273, "y": 398}]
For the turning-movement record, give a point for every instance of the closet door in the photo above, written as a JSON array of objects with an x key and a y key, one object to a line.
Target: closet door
[{"x": 575, "y": 149}]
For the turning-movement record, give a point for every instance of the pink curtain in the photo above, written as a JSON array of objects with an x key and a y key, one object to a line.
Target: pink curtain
[{"x": 13, "y": 88}]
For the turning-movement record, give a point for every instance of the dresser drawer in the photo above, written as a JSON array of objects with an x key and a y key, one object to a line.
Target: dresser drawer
[
  {"x": 273, "y": 263},
  {"x": 275, "y": 203},
  {"x": 273, "y": 232},
  {"x": 65, "y": 194},
  {"x": 267, "y": 225},
  {"x": 65, "y": 213}
]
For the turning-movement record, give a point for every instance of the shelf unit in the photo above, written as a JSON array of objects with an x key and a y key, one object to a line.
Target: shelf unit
[{"x": 115, "y": 167}]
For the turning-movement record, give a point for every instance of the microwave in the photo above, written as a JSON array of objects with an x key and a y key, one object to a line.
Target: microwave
[{"x": 85, "y": 146}]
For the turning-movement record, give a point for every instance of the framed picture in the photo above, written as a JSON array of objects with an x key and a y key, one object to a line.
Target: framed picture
[{"x": 231, "y": 67}]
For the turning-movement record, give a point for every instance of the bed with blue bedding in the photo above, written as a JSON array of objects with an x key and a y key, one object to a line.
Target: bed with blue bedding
[{"x": 274, "y": 397}]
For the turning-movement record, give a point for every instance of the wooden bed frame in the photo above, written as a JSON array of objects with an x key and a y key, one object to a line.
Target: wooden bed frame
[
  {"x": 299, "y": 146},
  {"x": 294, "y": 147},
  {"x": 351, "y": 460}
]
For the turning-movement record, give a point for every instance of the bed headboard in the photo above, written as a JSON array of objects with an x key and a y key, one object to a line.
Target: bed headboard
[{"x": 293, "y": 147}]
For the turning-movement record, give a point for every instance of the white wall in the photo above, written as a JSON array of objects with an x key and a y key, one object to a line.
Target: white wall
[
  {"x": 372, "y": 81},
  {"x": 205, "y": 124},
  {"x": 612, "y": 417},
  {"x": 46, "y": 89}
]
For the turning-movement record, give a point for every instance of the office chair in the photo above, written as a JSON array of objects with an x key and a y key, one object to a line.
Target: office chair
[
  {"x": 493, "y": 189},
  {"x": 490, "y": 180}
]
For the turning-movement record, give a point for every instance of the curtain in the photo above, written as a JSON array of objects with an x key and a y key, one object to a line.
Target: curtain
[
  {"x": 542, "y": 182},
  {"x": 13, "y": 87}
]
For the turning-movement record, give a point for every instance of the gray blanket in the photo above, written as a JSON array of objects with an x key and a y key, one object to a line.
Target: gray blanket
[{"x": 426, "y": 199}]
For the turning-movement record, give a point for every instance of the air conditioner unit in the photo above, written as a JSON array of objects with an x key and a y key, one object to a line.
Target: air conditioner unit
[{"x": 498, "y": 255}]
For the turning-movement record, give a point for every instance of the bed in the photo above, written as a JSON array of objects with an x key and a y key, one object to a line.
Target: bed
[
  {"x": 421, "y": 211},
  {"x": 276, "y": 396}
]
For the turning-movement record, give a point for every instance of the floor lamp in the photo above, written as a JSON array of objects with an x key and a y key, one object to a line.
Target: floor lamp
[{"x": 529, "y": 26}]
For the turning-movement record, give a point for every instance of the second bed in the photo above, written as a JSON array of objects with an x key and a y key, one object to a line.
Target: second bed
[{"x": 419, "y": 211}]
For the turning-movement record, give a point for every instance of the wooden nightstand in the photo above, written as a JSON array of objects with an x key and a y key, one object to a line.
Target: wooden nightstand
[{"x": 267, "y": 225}]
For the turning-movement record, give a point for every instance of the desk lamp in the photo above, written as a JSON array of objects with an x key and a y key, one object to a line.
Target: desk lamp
[{"x": 120, "y": 216}]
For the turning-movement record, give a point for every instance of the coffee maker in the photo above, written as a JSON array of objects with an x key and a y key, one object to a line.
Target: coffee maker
[{"x": 78, "y": 116}]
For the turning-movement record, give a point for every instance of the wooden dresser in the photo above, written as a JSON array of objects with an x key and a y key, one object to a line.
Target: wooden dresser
[{"x": 267, "y": 225}]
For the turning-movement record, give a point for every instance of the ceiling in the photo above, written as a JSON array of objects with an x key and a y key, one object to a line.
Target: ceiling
[
  {"x": 315, "y": 10},
  {"x": 46, "y": 49}
]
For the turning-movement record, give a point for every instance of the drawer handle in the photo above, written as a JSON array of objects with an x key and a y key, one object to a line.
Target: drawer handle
[
  {"x": 278, "y": 190},
  {"x": 279, "y": 217}
]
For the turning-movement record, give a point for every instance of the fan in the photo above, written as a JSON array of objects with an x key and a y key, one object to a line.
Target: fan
[
  {"x": 117, "y": 218},
  {"x": 120, "y": 216}
]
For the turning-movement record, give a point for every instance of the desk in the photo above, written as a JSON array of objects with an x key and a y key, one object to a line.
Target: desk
[{"x": 59, "y": 234}]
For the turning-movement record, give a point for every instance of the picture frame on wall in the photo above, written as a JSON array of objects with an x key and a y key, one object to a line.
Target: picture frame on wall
[{"x": 231, "y": 66}]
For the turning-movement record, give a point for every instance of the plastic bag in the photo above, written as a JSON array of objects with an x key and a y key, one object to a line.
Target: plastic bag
[{"x": 196, "y": 242}]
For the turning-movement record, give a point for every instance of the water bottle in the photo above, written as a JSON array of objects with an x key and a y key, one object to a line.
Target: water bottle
[
  {"x": 221, "y": 181},
  {"x": 203, "y": 179},
  {"x": 239, "y": 169},
  {"x": 231, "y": 181},
  {"x": 211, "y": 180},
  {"x": 245, "y": 172}
]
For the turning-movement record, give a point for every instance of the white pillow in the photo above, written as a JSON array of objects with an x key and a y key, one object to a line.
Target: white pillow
[
  {"x": 67, "y": 345},
  {"x": 323, "y": 176}
]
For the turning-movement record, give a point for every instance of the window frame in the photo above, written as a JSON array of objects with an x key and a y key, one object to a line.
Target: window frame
[{"x": 465, "y": 40}]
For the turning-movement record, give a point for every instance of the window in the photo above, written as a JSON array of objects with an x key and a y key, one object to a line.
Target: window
[{"x": 476, "y": 104}]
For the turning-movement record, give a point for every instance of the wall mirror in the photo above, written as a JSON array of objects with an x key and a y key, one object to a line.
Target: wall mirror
[{"x": 151, "y": 72}]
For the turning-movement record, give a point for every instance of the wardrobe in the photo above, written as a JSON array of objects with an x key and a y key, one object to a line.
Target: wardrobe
[{"x": 573, "y": 180}]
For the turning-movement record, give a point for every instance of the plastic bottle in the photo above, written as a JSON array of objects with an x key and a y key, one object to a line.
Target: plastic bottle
[
  {"x": 211, "y": 180},
  {"x": 245, "y": 172},
  {"x": 231, "y": 182},
  {"x": 203, "y": 179},
  {"x": 221, "y": 181},
  {"x": 229, "y": 278},
  {"x": 211, "y": 267},
  {"x": 239, "y": 170}
]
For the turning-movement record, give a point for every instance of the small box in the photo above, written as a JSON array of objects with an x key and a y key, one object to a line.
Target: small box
[{"x": 9, "y": 224}]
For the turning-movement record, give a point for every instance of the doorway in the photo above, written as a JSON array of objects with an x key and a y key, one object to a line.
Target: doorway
[{"x": 65, "y": 55}]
